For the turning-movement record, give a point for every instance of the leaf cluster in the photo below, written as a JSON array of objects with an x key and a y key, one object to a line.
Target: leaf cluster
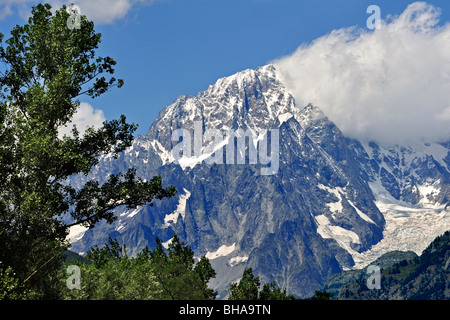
[
  {"x": 110, "y": 274},
  {"x": 161, "y": 274},
  {"x": 178, "y": 274},
  {"x": 248, "y": 288}
]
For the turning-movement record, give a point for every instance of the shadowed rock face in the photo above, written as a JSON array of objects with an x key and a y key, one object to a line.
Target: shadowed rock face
[{"x": 295, "y": 227}]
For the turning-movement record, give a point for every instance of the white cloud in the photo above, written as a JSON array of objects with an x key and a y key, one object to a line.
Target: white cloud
[
  {"x": 8, "y": 7},
  {"x": 104, "y": 11},
  {"x": 99, "y": 11},
  {"x": 86, "y": 116},
  {"x": 390, "y": 85},
  {"x": 5, "y": 11}
]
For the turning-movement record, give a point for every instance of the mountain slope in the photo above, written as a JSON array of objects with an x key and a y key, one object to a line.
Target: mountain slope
[
  {"x": 426, "y": 277},
  {"x": 411, "y": 185}
]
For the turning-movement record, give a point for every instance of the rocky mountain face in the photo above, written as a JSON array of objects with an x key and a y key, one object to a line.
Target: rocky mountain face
[{"x": 267, "y": 184}]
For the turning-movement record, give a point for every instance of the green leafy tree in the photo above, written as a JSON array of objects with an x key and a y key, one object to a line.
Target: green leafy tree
[
  {"x": 248, "y": 289},
  {"x": 8, "y": 284},
  {"x": 321, "y": 295},
  {"x": 177, "y": 273},
  {"x": 270, "y": 291},
  {"x": 110, "y": 274},
  {"x": 45, "y": 68}
]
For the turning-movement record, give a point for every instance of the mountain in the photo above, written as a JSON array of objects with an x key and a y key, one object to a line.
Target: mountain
[
  {"x": 338, "y": 283},
  {"x": 426, "y": 277},
  {"x": 267, "y": 184}
]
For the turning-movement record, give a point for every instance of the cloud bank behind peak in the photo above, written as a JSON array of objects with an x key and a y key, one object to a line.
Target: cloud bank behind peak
[{"x": 390, "y": 85}]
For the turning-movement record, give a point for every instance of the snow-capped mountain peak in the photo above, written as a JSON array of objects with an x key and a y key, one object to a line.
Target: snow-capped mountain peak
[{"x": 334, "y": 203}]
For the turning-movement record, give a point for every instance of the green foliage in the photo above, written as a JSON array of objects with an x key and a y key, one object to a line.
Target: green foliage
[
  {"x": 110, "y": 274},
  {"x": 45, "y": 69},
  {"x": 321, "y": 295},
  {"x": 178, "y": 276},
  {"x": 270, "y": 291},
  {"x": 8, "y": 284},
  {"x": 248, "y": 289}
]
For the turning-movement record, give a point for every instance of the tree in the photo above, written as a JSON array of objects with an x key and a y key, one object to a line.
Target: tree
[
  {"x": 178, "y": 274},
  {"x": 248, "y": 289},
  {"x": 46, "y": 68},
  {"x": 153, "y": 274},
  {"x": 8, "y": 284},
  {"x": 321, "y": 295},
  {"x": 110, "y": 274},
  {"x": 270, "y": 291}
]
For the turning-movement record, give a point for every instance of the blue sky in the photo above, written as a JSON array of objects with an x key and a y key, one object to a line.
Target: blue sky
[{"x": 166, "y": 48}]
